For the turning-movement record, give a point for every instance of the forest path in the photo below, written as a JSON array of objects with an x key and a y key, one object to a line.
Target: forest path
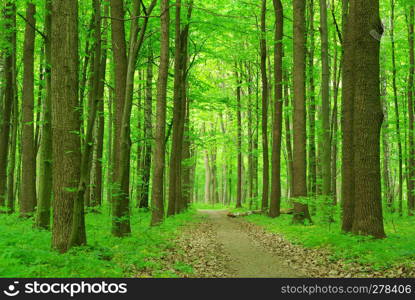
[{"x": 248, "y": 258}]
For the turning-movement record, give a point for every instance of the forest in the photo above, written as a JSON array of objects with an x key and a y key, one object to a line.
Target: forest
[{"x": 223, "y": 138}]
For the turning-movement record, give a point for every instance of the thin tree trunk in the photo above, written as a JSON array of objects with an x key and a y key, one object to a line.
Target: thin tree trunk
[
  {"x": 239, "y": 138},
  {"x": 325, "y": 107},
  {"x": 348, "y": 182},
  {"x": 9, "y": 96},
  {"x": 148, "y": 134},
  {"x": 395, "y": 100},
  {"x": 28, "y": 186},
  {"x": 160, "y": 130},
  {"x": 312, "y": 161},
  {"x": 411, "y": 142},
  {"x": 288, "y": 143},
  {"x": 265, "y": 155},
  {"x": 278, "y": 113},
  {"x": 45, "y": 164}
]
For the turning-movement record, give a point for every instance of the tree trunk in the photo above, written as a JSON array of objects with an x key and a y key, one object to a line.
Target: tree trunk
[
  {"x": 96, "y": 200},
  {"x": 9, "y": 96},
  {"x": 411, "y": 158},
  {"x": 364, "y": 22},
  {"x": 348, "y": 182},
  {"x": 45, "y": 164},
  {"x": 148, "y": 134},
  {"x": 312, "y": 161},
  {"x": 299, "y": 154},
  {"x": 277, "y": 126},
  {"x": 395, "y": 101},
  {"x": 265, "y": 155},
  {"x": 239, "y": 138},
  {"x": 28, "y": 186},
  {"x": 65, "y": 119},
  {"x": 325, "y": 106},
  {"x": 288, "y": 143},
  {"x": 157, "y": 214}
]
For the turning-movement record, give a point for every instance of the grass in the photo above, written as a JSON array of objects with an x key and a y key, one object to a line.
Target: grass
[
  {"x": 397, "y": 249},
  {"x": 26, "y": 252}
]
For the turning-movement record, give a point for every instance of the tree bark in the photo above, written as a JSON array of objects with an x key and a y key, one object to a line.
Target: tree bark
[
  {"x": 278, "y": 112},
  {"x": 28, "y": 186},
  {"x": 348, "y": 182},
  {"x": 301, "y": 212},
  {"x": 395, "y": 101},
  {"x": 65, "y": 119},
  {"x": 265, "y": 155},
  {"x": 148, "y": 134},
  {"x": 239, "y": 138},
  {"x": 366, "y": 30},
  {"x": 157, "y": 212},
  {"x": 312, "y": 161},
  {"x": 411, "y": 141},
  {"x": 325, "y": 106},
  {"x": 45, "y": 164},
  {"x": 9, "y": 96}
]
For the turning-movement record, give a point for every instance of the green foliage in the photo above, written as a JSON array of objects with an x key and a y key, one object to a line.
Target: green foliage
[{"x": 26, "y": 252}]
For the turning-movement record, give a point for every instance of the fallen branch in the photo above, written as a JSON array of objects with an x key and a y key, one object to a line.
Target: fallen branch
[{"x": 288, "y": 211}]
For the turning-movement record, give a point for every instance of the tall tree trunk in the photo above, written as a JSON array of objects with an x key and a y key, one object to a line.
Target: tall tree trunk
[
  {"x": 160, "y": 130},
  {"x": 299, "y": 154},
  {"x": 288, "y": 143},
  {"x": 277, "y": 126},
  {"x": 100, "y": 121},
  {"x": 348, "y": 182},
  {"x": 334, "y": 122},
  {"x": 28, "y": 186},
  {"x": 363, "y": 22},
  {"x": 180, "y": 59},
  {"x": 9, "y": 96},
  {"x": 395, "y": 101},
  {"x": 65, "y": 119},
  {"x": 265, "y": 155},
  {"x": 45, "y": 164},
  {"x": 387, "y": 182},
  {"x": 325, "y": 106},
  {"x": 250, "y": 137},
  {"x": 120, "y": 212},
  {"x": 411, "y": 158},
  {"x": 148, "y": 133},
  {"x": 239, "y": 138},
  {"x": 312, "y": 161}
]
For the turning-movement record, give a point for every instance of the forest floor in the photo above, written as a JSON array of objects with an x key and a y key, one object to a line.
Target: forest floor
[{"x": 219, "y": 246}]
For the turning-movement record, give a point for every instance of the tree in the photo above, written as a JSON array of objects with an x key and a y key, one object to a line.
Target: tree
[
  {"x": 9, "y": 95},
  {"x": 157, "y": 199},
  {"x": 325, "y": 107},
  {"x": 239, "y": 137},
  {"x": 278, "y": 112},
  {"x": 45, "y": 172},
  {"x": 65, "y": 119},
  {"x": 299, "y": 152},
  {"x": 265, "y": 155},
  {"x": 28, "y": 186},
  {"x": 362, "y": 56}
]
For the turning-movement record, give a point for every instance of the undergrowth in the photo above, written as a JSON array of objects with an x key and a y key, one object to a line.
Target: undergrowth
[{"x": 26, "y": 252}]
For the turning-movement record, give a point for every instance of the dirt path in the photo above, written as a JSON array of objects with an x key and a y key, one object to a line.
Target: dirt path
[{"x": 248, "y": 258}]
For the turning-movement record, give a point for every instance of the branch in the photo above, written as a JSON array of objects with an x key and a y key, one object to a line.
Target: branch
[{"x": 31, "y": 25}]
